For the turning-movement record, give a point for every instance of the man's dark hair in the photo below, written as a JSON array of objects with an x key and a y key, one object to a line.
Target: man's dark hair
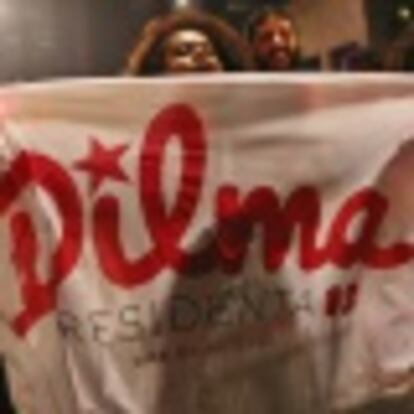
[
  {"x": 146, "y": 57},
  {"x": 258, "y": 17}
]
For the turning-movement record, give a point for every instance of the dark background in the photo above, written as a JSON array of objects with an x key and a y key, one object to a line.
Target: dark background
[{"x": 54, "y": 38}]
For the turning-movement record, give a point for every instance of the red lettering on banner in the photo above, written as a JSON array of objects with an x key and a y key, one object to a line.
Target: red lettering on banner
[
  {"x": 351, "y": 239},
  {"x": 262, "y": 206},
  {"x": 38, "y": 296},
  {"x": 363, "y": 249},
  {"x": 166, "y": 229},
  {"x": 303, "y": 210},
  {"x": 341, "y": 300},
  {"x": 235, "y": 218}
]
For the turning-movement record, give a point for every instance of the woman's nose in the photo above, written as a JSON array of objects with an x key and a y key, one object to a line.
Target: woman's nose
[{"x": 199, "y": 52}]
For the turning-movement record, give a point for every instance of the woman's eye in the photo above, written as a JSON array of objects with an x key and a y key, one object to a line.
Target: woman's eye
[{"x": 182, "y": 50}]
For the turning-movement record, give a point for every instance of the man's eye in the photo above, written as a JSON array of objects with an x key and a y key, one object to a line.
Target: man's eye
[
  {"x": 285, "y": 33},
  {"x": 265, "y": 37}
]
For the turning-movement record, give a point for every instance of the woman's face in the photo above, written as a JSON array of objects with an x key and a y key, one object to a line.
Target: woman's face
[{"x": 189, "y": 51}]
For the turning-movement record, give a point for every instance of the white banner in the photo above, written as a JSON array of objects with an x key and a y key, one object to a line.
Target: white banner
[{"x": 212, "y": 245}]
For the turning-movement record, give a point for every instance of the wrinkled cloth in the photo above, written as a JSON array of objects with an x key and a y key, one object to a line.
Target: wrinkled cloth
[{"x": 137, "y": 279}]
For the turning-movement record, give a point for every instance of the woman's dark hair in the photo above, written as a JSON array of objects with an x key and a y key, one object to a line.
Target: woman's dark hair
[{"x": 147, "y": 56}]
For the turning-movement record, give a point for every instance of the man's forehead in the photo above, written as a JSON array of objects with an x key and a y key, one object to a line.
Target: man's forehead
[{"x": 275, "y": 21}]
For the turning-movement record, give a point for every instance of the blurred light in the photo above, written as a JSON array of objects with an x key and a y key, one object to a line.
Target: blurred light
[
  {"x": 404, "y": 13},
  {"x": 182, "y": 3}
]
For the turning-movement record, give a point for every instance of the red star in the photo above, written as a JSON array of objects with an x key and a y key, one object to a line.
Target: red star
[{"x": 102, "y": 163}]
